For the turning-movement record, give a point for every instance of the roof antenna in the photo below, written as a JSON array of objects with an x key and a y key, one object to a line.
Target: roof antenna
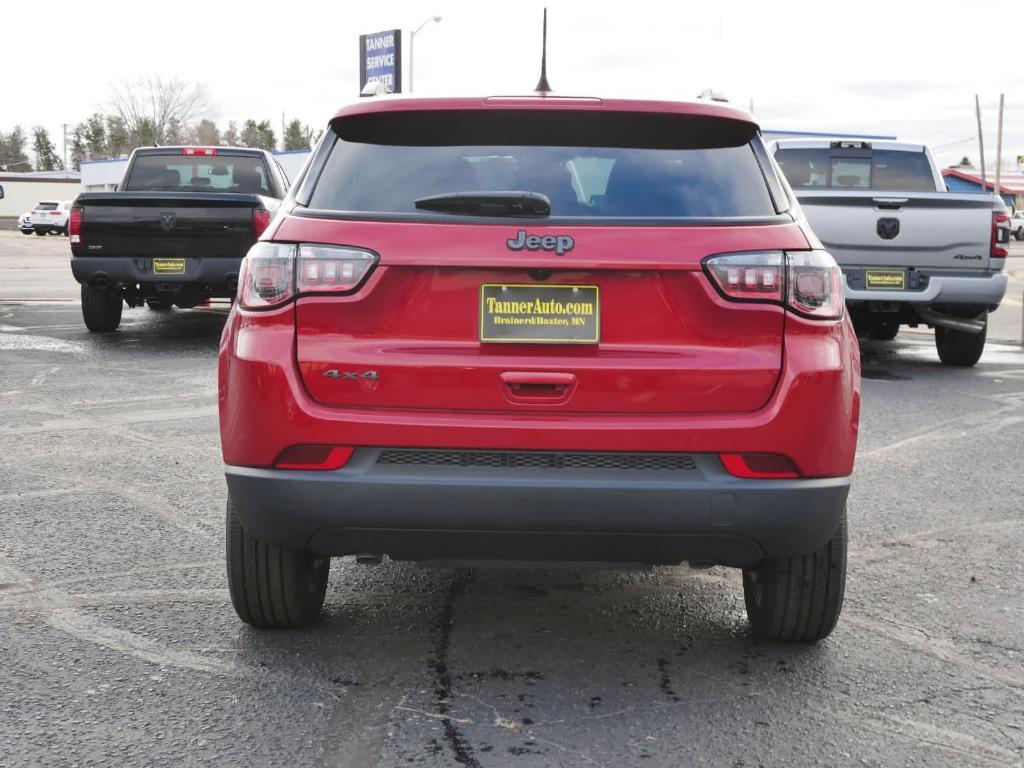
[{"x": 542, "y": 85}]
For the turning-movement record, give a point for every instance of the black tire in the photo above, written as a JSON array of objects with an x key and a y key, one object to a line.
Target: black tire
[
  {"x": 798, "y": 599},
  {"x": 159, "y": 305},
  {"x": 1019, "y": 234},
  {"x": 26, "y": 231},
  {"x": 272, "y": 586},
  {"x": 101, "y": 310},
  {"x": 41, "y": 232},
  {"x": 886, "y": 331},
  {"x": 960, "y": 348}
]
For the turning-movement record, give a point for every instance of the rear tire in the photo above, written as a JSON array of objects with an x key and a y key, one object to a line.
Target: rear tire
[
  {"x": 886, "y": 331},
  {"x": 26, "y": 231},
  {"x": 101, "y": 310},
  {"x": 960, "y": 348},
  {"x": 798, "y": 599},
  {"x": 41, "y": 233},
  {"x": 273, "y": 586}
]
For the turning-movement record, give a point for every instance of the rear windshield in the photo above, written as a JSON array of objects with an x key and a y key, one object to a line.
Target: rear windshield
[
  {"x": 180, "y": 173},
  {"x": 823, "y": 167},
  {"x": 596, "y": 166},
  {"x": 46, "y": 206}
]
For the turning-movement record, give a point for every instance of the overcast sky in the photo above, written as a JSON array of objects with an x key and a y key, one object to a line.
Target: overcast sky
[{"x": 909, "y": 69}]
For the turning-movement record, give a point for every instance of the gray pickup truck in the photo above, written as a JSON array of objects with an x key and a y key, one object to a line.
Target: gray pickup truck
[{"x": 912, "y": 252}]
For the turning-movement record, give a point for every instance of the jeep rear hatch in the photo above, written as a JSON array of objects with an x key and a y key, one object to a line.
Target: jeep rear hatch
[{"x": 595, "y": 302}]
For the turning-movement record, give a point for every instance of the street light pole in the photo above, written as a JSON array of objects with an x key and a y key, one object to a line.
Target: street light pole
[{"x": 412, "y": 42}]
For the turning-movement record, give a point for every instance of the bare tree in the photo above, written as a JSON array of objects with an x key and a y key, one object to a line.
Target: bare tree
[{"x": 153, "y": 105}]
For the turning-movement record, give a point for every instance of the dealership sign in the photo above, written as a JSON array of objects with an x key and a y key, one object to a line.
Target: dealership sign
[{"x": 380, "y": 59}]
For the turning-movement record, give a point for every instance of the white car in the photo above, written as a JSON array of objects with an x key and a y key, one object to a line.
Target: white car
[
  {"x": 25, "y": 223},
  {"x": 1017, "y": 225},
  {"x": 51, "y": 216}
]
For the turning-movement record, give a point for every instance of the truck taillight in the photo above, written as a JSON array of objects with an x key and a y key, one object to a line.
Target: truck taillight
[
  {"x": 331, "y": 269},
  {"x": 75, "y": 225},
  {"x": 806, "y": 282},
  {"x": 260, "y": 220},
  {"x": 274, "y": 273},
  {"x": 199, "y": 151},
  {"x": 1000, "y": 236}
]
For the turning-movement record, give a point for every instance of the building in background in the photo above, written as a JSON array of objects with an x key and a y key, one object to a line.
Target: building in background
[
  {"x": 967, "y": 178},
  {"x": 23, "y": 190}
]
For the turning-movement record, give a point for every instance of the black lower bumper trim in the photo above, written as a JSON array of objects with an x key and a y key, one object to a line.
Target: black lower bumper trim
[{"x": 431, "y": 512}]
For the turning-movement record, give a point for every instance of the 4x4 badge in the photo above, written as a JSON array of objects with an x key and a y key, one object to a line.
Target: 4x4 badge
[
  {"x": 334, "y": 373},
  {"x": 560, "y": 244}
]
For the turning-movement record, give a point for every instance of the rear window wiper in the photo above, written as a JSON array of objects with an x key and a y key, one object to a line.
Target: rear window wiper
[{"x": 487, "y": 203}]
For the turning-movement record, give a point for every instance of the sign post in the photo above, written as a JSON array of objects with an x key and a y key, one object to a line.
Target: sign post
[{"x": 380, "y": 59}]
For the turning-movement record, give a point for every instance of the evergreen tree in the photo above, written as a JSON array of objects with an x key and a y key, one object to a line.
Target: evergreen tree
[
  {"x": 12, "y": 151},
  {"x": 96, "y": 138},
  {"x": 259, "y": 135},
  {"x": 230, "y": 137},
  {"x": 297, "y": 136},
  {"x": 118, "y": 141},
  {"x": 46, "y": 154},
  {"x": 207, "y": 134},
  {"x": 79, "y": 147}
]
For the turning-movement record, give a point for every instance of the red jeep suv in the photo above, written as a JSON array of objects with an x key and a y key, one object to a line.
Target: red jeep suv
[{"x": 540, "y": 329}]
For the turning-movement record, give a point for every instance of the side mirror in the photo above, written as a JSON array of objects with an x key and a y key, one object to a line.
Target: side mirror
[{"x": 1, "y": 191}]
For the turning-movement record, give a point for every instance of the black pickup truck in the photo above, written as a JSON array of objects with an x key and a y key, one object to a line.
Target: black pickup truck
[{"x": 175, "y": 232}]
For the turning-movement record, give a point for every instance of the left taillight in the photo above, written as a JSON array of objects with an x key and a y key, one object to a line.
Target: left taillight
[
  {"x": 267, "y": 276},
  {"x": 274, "y": 273},
  {"x": 75, "y": 219},
  {"x": 806, "y": 282}
]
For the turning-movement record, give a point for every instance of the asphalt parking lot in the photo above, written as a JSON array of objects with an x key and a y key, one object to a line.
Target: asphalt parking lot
[{"x": 120, "y": 646}]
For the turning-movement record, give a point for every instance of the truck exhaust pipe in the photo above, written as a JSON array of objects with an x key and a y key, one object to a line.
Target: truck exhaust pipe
[{"x": 967, "y": 325}]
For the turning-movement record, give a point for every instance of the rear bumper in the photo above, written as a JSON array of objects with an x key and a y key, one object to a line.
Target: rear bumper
[
  {"x": 48, "y": 226},
  {"x": 132, "y": 270},
  {"x": 429, "y": 512},
  {"x": 980, "y": 289}
]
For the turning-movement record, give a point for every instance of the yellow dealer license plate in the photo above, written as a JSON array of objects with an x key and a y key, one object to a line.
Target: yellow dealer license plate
[
  {"x": 885, "y": 279},
  {"x": 168, "y": 266},
  {"x": 540, "y": 314}
]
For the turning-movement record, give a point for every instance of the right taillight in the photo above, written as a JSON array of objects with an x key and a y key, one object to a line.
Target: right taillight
[
  {"x": 274, "y": 273},
  {"x": 75, "y": 225},
  {"x": 1000, "y": 235},
  {"x": 806, "y": 282}
]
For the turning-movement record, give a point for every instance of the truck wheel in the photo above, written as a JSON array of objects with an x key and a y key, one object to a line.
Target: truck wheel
[
  {"x": 885, "y": 331},
  {"x": 101, "y": 310},
  {"x": 272, "y": 586},
  {"x": 798, "y": 599},
  {"x": 960, "y": 347}
]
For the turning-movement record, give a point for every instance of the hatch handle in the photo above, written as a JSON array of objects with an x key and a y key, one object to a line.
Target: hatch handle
[{"x": 538, "y": 386}]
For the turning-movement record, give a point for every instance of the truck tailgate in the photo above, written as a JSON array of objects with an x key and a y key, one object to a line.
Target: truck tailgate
[
  {"x": 930, "y": 230},
  {"x": 167, "y": 224}
]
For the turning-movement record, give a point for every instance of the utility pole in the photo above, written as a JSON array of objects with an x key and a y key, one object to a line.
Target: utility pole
[
  {"x": 65, "y": 126},
  {"x": 981, "y": 140},
  {"x": 282, "y": 131},
  {"x": 999, "y": 145}
]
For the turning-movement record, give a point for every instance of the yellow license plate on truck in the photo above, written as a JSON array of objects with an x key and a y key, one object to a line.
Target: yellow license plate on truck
[
  {"x": 885, "y": 279},
  {"x": 168, "y": 266}
]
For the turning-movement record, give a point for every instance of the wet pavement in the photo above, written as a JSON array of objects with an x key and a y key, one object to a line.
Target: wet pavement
[{"x": 120, "y": 646}]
